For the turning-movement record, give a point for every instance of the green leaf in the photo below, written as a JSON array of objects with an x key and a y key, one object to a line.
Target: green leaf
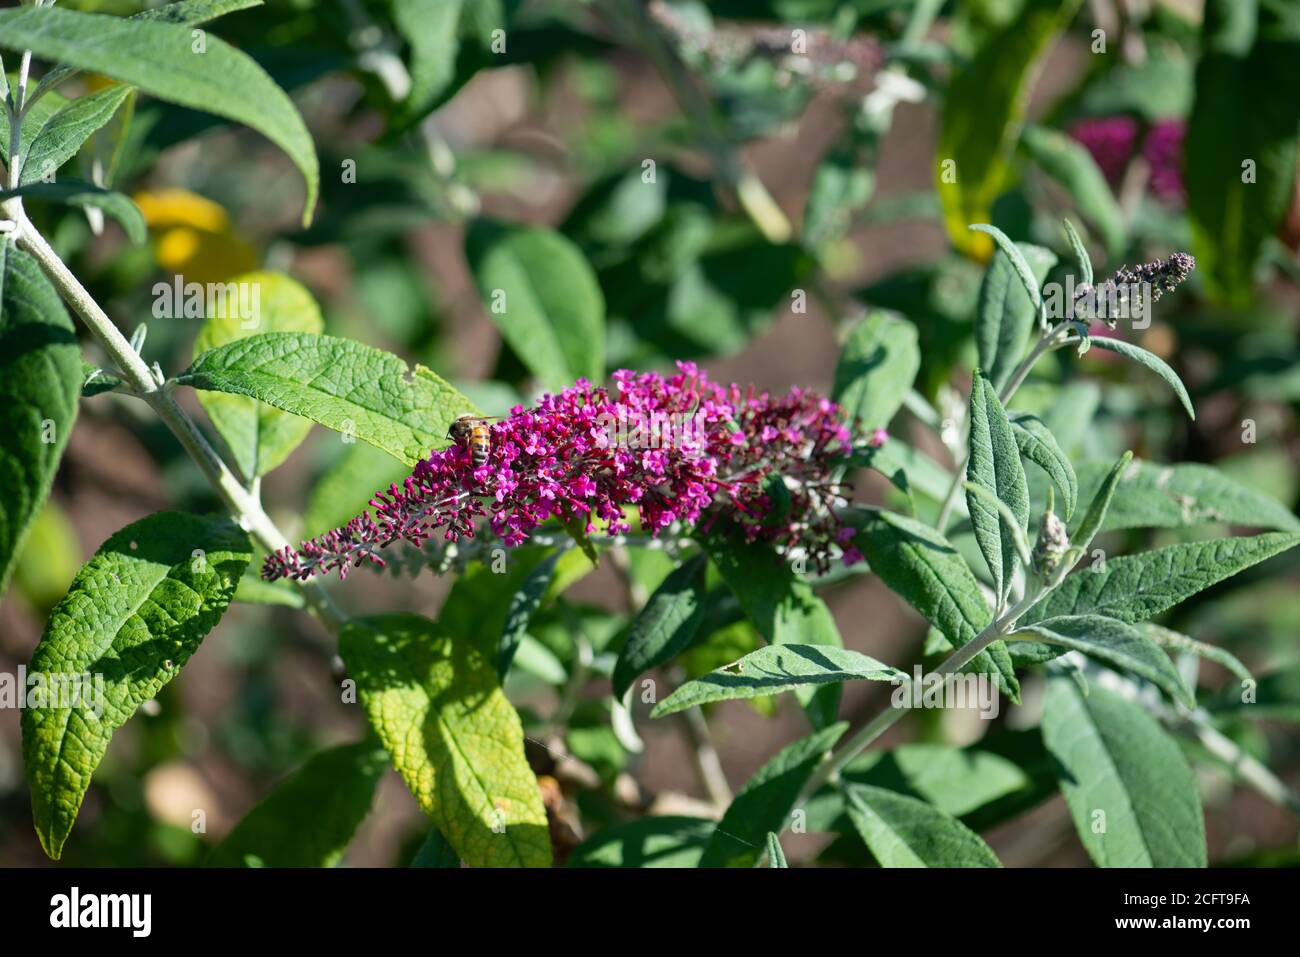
[
  {"x": 454, "y": 738},
  {"x": 1152, "y": 362},
  {"x": 160, "y": 58},
  {"x": 775, "y": 669},
  {"x": 132, "y": 617},
  {"x": 1117, "y": 644},
  {"x": 666, "y": 841},
  {"x": 902, "y": 831},
  {"x": 1080, "y": 253},
  {"x": 259, "y": 436},
  {"x": 775, "y": 855},
  {"x": 346, "y": 489},
  {"x": 1019, "y": 264},
  {"x": 310, "y": 817},
  {"x": 1038, "y": 445},
  {"x": 59, "y": 138},
  {"x": 1137, "y": 587},
  {"x": 920, "y": 565},
  {"x": 906, "y": 467},
  {"x": 994, "y": 464},
  {"x": 71, "y": 192},
  {"x": 436, "y": 852},
  {"x": 982, "y": 112},
  {"x": 1068, "y": 161},
  {"x": 1241, "y": 141},
  {"x": 253, "y": 591},
  {"x": 665, "y": 627},
  {"x": 1129, "y": 788},
  {"x": 1005, "y": 315},
  {"x": 339, "y": 383},
  {"x": 1177, "y": 641},
  {"x": 877, "y": 366},
  {"x": 1091, "y": 522},
  {"x": 1152, "y": 495},
  {"x": 544, "y": 298},
  {"x": 765, "y": 802},
  {"x": 781, "y": 605},
  {"x": 1275, "y": 697},
  {"x": 431, "y": 28},
  {"x": 40, "y": 382},
  {"x": 519, "y": 612}
]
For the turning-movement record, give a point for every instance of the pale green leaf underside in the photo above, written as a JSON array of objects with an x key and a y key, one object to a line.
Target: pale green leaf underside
[
  {"x": 1129, "y": 788},
  {"x": 259, "y": 436},
  {"x": 310, "y": 817},
  {"x": 134, "y": 614},
  {"x": 1038, "y": 445},
  {"x": 775, "y": 669},
  {"x": 1005, "y": 314},
  {"x": 902, "y": 831},
  {"x": 994, "y": 465},
  {"x": 1152, "y": 362},
  {"x": 340, "y": 384},
  {"x": 452, "y": 735},
  {"x": 159, "y": 58},
  {"x": 1151, "y": 495}
]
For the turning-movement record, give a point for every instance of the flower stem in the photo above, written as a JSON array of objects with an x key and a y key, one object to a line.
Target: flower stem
[{"x": 242, "y": 504}]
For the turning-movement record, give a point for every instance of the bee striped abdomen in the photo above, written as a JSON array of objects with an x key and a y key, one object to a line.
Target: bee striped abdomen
[{"x": 472, "y": 432}]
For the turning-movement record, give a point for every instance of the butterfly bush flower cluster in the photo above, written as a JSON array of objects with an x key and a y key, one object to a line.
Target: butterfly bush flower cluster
[
  {"x": 677, "y": 449},
  {"x": 1113, "y": 141}
]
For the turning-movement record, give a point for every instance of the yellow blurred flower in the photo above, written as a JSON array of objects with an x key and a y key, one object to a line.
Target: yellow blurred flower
[{"x": 193, "y": 236}]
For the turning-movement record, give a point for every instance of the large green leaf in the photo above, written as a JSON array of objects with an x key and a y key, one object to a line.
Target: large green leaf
[
  {"x": 902, "y": 831},
  {"x": 1137, "y": 587},
  {"x": 1005, "y": 314},
  {"x": 919, "y": 564},
  {"x": 259, "y": 436},
  {"x": 782, "y": 606},
  {"x": 40, "y": 384},
  {"x": 132, "y": 617},
  {"x": 994, "y": 464},
  {"x": 774, "y": 669},
  {"x": 982, "y": 113},
  {"x": 162, "y": 60},
  {"x": 1241, "y": 140},
  {"x": 310, "y": 817},
  {"x": 765, "y": 802},
  {"x": 665, "y": 626},
  {"x": 1130, "y": 791},
  {"x": 339, "y": 383},
  {"x": 455, "y": 739},
  {"x": 1115, "y": 642},
  {"x": 877, "y": 366},
  {"x": 544, "y": 298},
  {"x": 1151, "y": 495},
  {"x": 1068, "y": 162}
]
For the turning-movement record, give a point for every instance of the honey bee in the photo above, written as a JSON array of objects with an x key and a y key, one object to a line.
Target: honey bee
[{"x": 471, "y": 431}]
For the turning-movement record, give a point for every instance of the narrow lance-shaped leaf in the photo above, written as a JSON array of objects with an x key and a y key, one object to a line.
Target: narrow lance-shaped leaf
[
  {"x": 71, "y": 192},
  {"x": 1092, "y": 521},
  {"x": 260, "y": 437},
  {"x": 544, "y": 298},
  {"x": 60, "y": 137},
  {"x": 775, "y": 855},
  {"x": 655, "y": 841},
  {"x": 132, "y": 617},
  {"x": 1080, "y": 253},
  {"x": 1116, "y": 643},
  {"x": 1038, "y": 445},
  {"x": 877, "y": 366},
  {"x": 902, "y": 831},
  {"x": 310, "y": 817},
  {"x": 774, "y": 669},
  {"x": 665, "y": 627},
  {"x": 160, "y": 58},
  {"x": 40, "y": 381},
  {"x": 782, "y": 606},
  {"x": 920, "y": 565},
  {"x": 522, "y": 606},
  {"x": 339, "y": 383},
  {"x": 765, "y": 802},
  {"x": 1152, "y": 362},
  {"x": 1004, "y": 317},
  {"x": 432, "y": 28},
  {"x": 1129, "y": 788},
  {"x": 994, "y": 465},
  {"x": 1018, "y": 262},
  {"x": 454, "y": 738},
  {"x": 1068, "y": 162},
  {"x": 1153, "y": 495}
]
